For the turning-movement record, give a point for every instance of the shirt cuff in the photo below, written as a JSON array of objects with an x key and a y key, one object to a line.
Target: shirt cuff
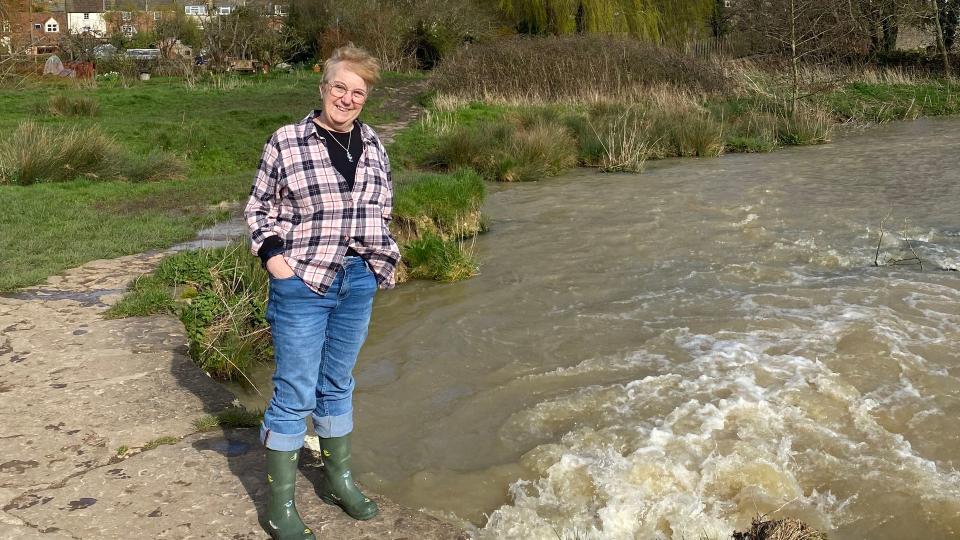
[{"x": 271, "y": 247}]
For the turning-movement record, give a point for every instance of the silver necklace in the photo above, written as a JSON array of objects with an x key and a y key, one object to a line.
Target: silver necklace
[{"x": 345, "y": 148}]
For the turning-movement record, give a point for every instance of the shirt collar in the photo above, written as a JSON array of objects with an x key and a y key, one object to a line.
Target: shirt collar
[{"x": 309, "y": 128}]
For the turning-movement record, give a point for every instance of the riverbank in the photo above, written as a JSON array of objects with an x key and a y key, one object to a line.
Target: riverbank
[{"x": 107, "y": 428}]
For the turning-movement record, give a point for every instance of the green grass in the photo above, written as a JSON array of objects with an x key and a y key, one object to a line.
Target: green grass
[
  {"x": 60, "y": 226},
  {"x": 160, "y": 441},
  {"x": 218, "y": 133},
  {"x": 888, "y": 102},
  {"x": 220, "y": 296},
  {"x": 444, "y": 204},
  {"x": 234, "y": 417}
]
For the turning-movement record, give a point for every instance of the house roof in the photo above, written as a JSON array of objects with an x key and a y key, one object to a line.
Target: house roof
[
  {"x": 139, "y": 5},
  {"x": 85, "y": 6}
]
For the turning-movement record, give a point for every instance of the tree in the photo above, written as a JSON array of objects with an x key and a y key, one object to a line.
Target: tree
[
  {"x": 794, "y": 29},
  {"x": 175, "y": 26}
]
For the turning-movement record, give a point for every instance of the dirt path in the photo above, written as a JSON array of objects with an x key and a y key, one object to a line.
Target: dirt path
[{"x": 98, "y": 438}]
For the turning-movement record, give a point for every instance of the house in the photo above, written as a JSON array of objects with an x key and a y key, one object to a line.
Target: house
[
  {"x": 130, "y": 17},
  {"x": 86, "y": 16}
]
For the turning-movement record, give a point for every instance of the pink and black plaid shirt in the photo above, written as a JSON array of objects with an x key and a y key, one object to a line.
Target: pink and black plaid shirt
[{"x": 298, "y": 196}]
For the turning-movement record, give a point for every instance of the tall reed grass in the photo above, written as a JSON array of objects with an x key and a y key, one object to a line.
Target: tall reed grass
[
  {"x": 510, "y": 149},
  {"x": 577, "y": 69}
]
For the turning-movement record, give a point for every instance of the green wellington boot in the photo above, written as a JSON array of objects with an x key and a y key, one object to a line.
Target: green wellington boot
[
  {"x": 336, "y": 483},
  {"x": 281, "y": 519}
]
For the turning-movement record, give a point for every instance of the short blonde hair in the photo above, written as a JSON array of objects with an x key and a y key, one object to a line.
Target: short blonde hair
[{"x": 358, "y": 61}]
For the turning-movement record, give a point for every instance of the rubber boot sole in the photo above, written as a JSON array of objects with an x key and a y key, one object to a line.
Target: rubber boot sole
[{"x": 333, "y": 502}]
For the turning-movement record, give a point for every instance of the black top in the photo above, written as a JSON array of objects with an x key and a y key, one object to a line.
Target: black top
[{"x": 337, "y": 144}]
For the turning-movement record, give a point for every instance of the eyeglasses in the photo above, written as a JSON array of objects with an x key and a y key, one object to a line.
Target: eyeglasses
[{"x": 338, "y": 90}]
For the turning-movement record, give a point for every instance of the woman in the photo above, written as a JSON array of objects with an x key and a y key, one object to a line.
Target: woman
[{"x": 318, "y": 214}]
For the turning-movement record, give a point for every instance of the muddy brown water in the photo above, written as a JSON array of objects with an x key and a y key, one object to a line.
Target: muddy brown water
[{"x": 668, "y": 354}]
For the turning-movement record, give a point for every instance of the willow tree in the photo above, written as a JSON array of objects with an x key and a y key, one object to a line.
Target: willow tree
[
  {"x": 683, "y": 20},
  {"x": 638, "y": 18}
]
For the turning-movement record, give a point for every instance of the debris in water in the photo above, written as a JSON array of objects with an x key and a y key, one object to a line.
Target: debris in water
[{"x": 779, "y": 529}]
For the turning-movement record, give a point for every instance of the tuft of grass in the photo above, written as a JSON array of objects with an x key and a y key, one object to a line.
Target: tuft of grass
[
  {"x": 147, "y": 295},
  {"x": 693, "y": 134},
  {"x": 37, "y": 153},
  {"x": 432, "y": 257},
  {"x": 509, "y": 149},
  {"x": 155, "y": 165},
  {"x": 780, "y": 529},
  {"x": 234, "y": 417},
  {"x": 63, "y": 105},
  {"x": 447, "y": 205},
  {"x": 220, "y": 296},
  {"x": 617, "y": 140},
  {"x": 160, "y": 441},
  {"x": 122, "y": 450},
  {"x": 804, "y": 126}
]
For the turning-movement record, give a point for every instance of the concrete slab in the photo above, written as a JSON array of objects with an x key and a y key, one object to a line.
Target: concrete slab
[{"x": 75, "y": 388}]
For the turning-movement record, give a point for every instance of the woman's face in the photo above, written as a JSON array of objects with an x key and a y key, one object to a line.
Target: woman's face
[{"x": 341, "y": 110}]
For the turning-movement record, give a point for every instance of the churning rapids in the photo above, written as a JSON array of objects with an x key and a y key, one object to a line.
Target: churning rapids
[{"x": 667, "y": 355}]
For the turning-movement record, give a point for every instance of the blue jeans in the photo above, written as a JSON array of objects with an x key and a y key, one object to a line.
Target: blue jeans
[{"x": 316, "y": 340}]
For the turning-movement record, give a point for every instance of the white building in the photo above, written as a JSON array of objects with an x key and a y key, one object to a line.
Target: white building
[{"x": 86, "y": 16}]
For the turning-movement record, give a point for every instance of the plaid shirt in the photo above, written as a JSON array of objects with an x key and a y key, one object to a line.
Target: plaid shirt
[{"x": 298, "y": 196}]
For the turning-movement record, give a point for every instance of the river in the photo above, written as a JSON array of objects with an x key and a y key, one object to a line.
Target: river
[{"x": 666, "y": 355}]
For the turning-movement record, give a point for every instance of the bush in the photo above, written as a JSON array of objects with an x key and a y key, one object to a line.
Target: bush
[{"x": 571, "y": 68}]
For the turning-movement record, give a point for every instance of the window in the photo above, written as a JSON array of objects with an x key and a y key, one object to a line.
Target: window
[
  {"x": 195, "y": 10},
  {"x": 6, "y": 26},
  {"x": 52, "y": 27},
  {"x": 37, "y": 26},
  {"x": 727, "y": 3},
  {"x": 223, "y": 10},
  {"x": 86, "y": 16},
  {"x": 128, "y": 30},
  {"x": 279, "y": 11},
  {"x": 126, "y": 15},
  {"x": 156, "y": 15}
]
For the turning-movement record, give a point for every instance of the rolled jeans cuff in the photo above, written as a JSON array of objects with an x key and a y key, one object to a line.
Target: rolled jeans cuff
[
  {"x": 281, "y": 441},
  {"x": 333, "y": 426}
]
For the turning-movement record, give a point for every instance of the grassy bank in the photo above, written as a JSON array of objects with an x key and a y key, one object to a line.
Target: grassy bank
[{"x": 213, "y": 130}]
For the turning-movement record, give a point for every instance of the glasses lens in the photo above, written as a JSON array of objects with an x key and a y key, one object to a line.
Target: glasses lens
[{"x": 338, "y": 91}]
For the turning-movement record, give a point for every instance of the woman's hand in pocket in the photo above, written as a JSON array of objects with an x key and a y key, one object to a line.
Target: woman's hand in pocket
[{"x": 278, "y": 267}]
